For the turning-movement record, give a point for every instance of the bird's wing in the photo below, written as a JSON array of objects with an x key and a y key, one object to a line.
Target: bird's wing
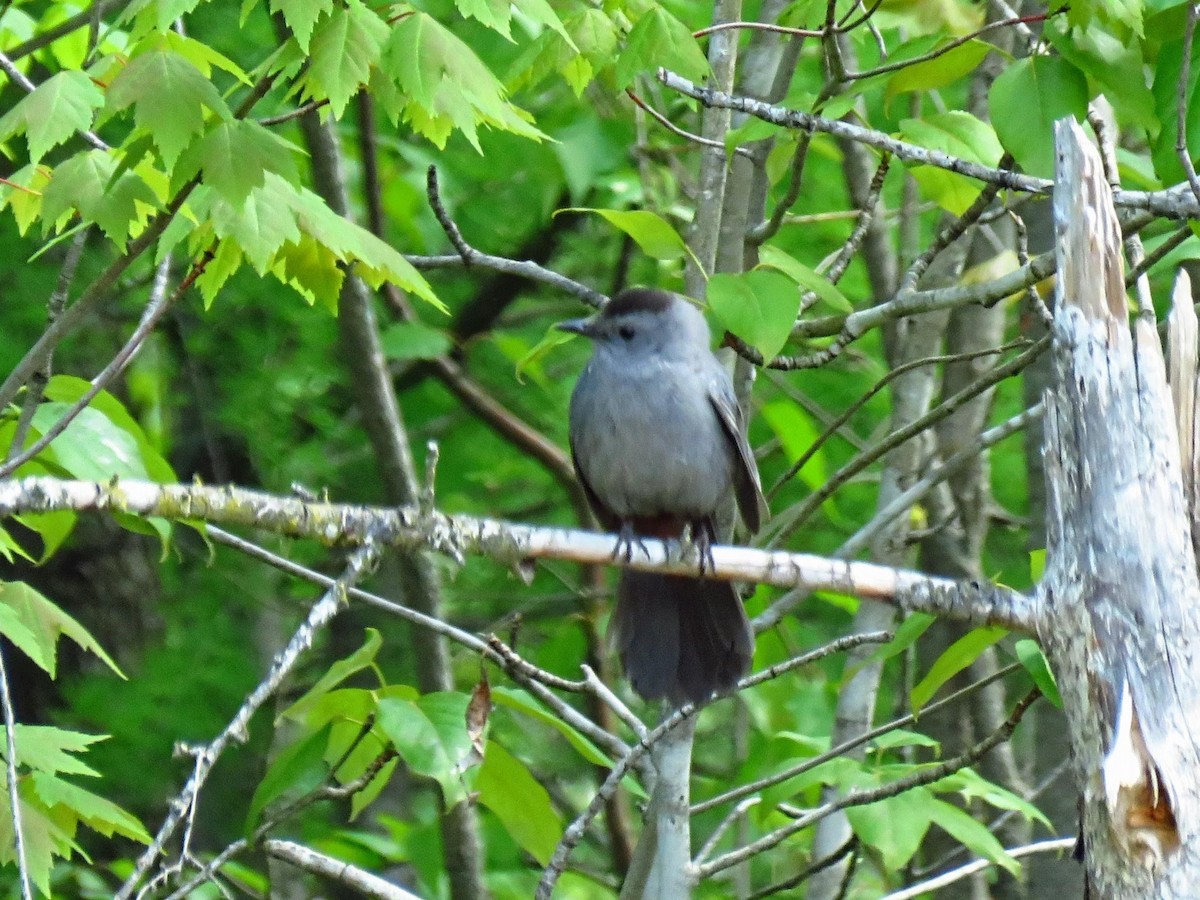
[
  {"x": 605, "y": 516},
  {"x": 746, "y": 485}
]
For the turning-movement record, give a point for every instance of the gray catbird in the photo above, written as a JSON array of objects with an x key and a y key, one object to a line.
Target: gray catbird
[{"x": 657, "y": 440}]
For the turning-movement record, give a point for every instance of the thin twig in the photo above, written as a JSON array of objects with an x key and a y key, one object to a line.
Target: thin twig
[
  {"x": 321, "y": 613},
  {"x": 840, "y": 645},
  {"x": 54, "y": 307},
  {"x": 956, "y": 43},
  {"x": 297, "y": 113},
  {"x": 846, "y": 746},
  {"x": 326, "y": 791},
  {"x": 65, "y": 27},
  {"x": 1033, "y": 299},
  {"x": 675, "y": 129},
  {"x": 759, "y": 26},
  {"x": 1054, "y": 845},
  {"x": 156, "y": 308},
  {"x": 1181, "y": 101},
  {"x": 1144, "y": 265},
  {"x": 786, "y": 523},
  {"x": 865, "y": 398},
  {"x": 523, "y": 672},
  {"x": 14, "y": 795},
  {"x": 935, "y": 476},
  {"x": 952, "y": 232},
  {"x": 623, "y": 712},
  {"x": 809, "y": 871},
  {"x": 469, "y": 256},
  {"x": 863, "y": 797},
  {"x": 866, "y": 217}
]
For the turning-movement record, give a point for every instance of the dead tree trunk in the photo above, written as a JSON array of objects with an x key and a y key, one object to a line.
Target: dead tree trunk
[{"x": 1120, "y": 602}]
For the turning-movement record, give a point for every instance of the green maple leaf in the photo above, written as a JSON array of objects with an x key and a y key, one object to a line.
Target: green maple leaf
[
  {"x": 446, "y": 85},
  {"x": 86, "y": 182},
  {"x": 301, "y": 16},
  {"x": 345, "y": 46},
  {"x": 233, "y": 157},
  {"x": 169, "y": 96},
  {"x": 58, "y": 108}
]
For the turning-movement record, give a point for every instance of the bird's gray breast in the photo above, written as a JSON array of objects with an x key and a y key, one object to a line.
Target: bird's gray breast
[{"x": 647, "y": 440}]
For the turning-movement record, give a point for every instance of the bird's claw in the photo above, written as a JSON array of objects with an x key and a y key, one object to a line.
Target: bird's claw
[
  {"x": 703, "y": 538},
  {"x": 627, "y": 538}
]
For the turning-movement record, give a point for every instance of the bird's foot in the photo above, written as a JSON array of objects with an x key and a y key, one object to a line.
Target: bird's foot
[
  {"x": 704, "y": 535},
  {"x": 627, "y": 538}
]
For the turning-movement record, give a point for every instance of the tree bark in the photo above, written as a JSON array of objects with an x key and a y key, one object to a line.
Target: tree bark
[{"x": 1120, "y": 603}]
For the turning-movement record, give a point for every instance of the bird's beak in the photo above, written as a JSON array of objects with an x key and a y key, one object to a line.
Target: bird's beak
[{"x": 576, "y": 326}]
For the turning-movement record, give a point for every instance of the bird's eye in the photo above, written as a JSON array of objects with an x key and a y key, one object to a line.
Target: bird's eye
[{"x": 626, "y": 331}]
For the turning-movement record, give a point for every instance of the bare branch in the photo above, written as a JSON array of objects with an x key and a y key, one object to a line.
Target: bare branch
[
  {"x": 337, "y": 870},
  {"x": 1173, "y": 203},
  {"x": 14, "y": 797},
  {"x": 321, "y": 613},
  {"x": 1055, "y": 845},
  {"x": 410, "y": 528}
]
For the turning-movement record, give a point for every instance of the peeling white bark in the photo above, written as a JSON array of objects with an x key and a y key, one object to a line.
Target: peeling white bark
[{"x": 1120, "y": 603}]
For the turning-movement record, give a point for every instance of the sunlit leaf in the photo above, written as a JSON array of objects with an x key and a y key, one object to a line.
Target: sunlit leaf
[
  {"x": 650, "y": 231},
  {"x": 345, "y": 46},
  {"x": 957, "y": 657},
  {"x": 507, "y": 787},
  {"x": 169, "y": 96},
  {"x": 1026, "y": 99},
  {"x": 41, "y": 624},
  {"x": 1034, "y": 661},
  {"x": 55, "y": 110},
  {"x": 760, "y": 307},
  {"x": 660, "y": 39}
]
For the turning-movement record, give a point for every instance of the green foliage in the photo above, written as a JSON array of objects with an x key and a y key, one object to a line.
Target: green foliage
[
  {"x": 169, "y": 96},
  {"x": 522, "y": 109},
  {"x": 942, "y": 70},
  {"x": 653, "y": 234},
  {"x": 659, "y": 39},
  {"x": 957, "y": 657},
  {"x": 439, "y": 85},
  {"x": 1027, "y": 99},
  {"x": 52, "y": 808},
  {"x": 961, "y": 135},
  {"x": 759, "y": 307},
  {"x": 34, "y": 625},
  {"x": 57, "y": 108},
  {"x": 1031, "y": 657},
  {"x": 345, "y": 46},
  {"x": 510, "y": 790}
]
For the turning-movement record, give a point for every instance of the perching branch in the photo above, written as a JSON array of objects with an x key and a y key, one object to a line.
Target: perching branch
[{"x": 411, "y": 528}]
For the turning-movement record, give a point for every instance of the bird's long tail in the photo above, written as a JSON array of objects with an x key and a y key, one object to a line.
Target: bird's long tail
[{"x": 680, "y": 638}]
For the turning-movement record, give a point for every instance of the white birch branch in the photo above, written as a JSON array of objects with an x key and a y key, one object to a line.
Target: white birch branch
[{"x": 975, "y": 602}]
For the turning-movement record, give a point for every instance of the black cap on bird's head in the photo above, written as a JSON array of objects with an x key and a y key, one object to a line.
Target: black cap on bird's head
[{"x": 629, "y": 302}]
